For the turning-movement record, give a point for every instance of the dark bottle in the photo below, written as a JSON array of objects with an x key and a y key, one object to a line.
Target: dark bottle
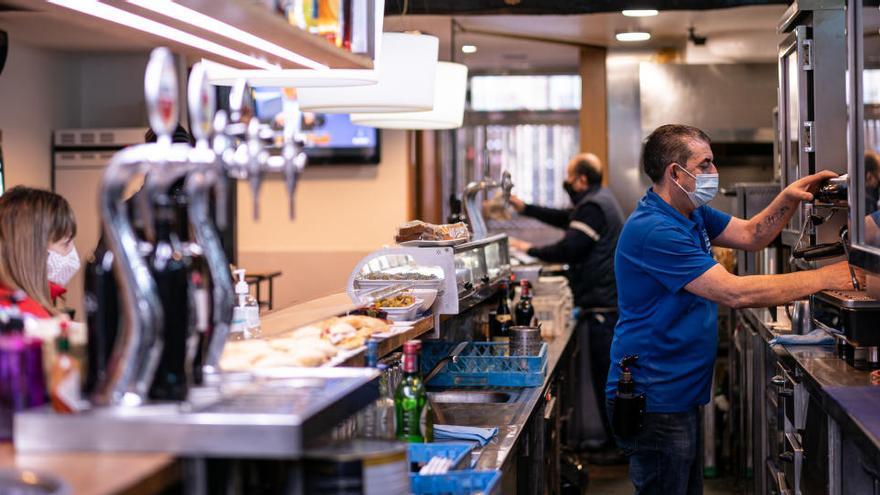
[
  {"x": 525, "y": 312},
  {"x": 101, "y": 301},
  {"x": 410, "y": 399},
  {"x": 169, "y": 269},
  {"x": 500, "y": 328},
  {"x": 628, "y": 416},
  {"x": 455, "y": 215},
  {"x": 511, "y": 291},
  {"x": 346, "y": 19}
]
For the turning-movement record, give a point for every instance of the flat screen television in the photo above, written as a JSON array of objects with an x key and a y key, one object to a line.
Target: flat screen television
[{"x": 332, "y": 138}]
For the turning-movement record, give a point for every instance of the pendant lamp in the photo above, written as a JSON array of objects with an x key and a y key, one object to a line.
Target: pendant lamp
[
  {"x": 450, "y": 88},
  {"x": 406, "y": 66}
]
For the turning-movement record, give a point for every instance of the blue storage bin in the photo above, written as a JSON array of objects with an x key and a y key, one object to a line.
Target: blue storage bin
[
  {"x": 465, "y": 482},
  {"x": 484, "y": 364},
  {"x": 459, "y": 452}
]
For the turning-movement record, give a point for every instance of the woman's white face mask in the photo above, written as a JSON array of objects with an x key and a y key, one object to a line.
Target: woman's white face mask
[{"x": 62, "y": 267}]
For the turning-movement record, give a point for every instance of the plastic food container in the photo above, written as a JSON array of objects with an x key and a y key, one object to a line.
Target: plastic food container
[
  {"x": 427, "y": 296},
  {"x": 406, "y": 313}
]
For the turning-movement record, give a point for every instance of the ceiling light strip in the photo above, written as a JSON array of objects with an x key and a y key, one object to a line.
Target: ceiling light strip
[
  {"x": 640, "y": 12},
  {"x": 119, "y": 16},
  {"x": 195, "y": 18}
]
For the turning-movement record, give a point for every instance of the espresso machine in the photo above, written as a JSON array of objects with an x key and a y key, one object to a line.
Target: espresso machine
[{"x": 851, "y": 316}]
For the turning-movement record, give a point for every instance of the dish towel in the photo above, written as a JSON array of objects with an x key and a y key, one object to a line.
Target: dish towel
[
  {"x": 472, "y": 433},
  {"x": 816, "y": 337}
]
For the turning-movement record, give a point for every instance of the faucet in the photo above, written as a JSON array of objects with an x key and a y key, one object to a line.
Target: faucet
[
  {"x": 473, "y": 211},
  {"x": 138, "y": 345},
  {"x": 208, "y": 177},
  {"x": 240, "y": 148}
]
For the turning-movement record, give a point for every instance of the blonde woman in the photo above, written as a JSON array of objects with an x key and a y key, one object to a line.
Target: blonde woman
[{"x": 37, "y": 254}]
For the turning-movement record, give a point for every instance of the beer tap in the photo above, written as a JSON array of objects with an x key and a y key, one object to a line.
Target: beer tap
[
  {"x": 138, "y": 345},
  {"x": 473, "y": 212},
  {"x": 257, "y": 160},
  {"x": 210, "y": 177},
  {"x": 294, "y": 158}
]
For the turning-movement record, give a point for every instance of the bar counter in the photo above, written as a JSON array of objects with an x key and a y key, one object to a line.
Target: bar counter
[
  {"x": 845, "y": 392},
  {"x": 97, "y": 473}
]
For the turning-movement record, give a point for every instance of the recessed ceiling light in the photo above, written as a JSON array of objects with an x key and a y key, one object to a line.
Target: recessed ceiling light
[
  {"x": 468, "y": 49},
  {"x": 633, "y": 36},
  {"x": 640, "y": 13}
]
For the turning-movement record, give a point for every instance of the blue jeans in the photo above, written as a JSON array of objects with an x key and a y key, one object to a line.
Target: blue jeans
[{"x": 666, "y": 457}]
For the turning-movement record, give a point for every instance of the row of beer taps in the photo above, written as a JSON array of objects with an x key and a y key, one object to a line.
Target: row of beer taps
[{"x": 234, "y": 145}]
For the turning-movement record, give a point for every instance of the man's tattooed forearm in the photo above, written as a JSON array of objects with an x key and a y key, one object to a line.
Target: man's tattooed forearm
[{"x": 770, "y": 222}]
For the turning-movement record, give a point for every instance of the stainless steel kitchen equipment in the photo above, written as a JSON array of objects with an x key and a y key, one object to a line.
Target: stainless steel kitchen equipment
[
  {"x": 812, "y": 101},
  {"x": 751, "y": 198},
  {"x": 276, "y": 414},
  {"x": 852, "y": 316}
]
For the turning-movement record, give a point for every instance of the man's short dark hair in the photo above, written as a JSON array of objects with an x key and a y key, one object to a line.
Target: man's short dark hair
[
  {"x": 872, "y": 162},
  {"x": 667, "y": 144},
  {"x": 589, "y": 165}
]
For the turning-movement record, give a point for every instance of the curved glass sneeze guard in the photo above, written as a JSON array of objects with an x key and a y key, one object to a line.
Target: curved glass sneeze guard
[{"x": 397, "y": 269}]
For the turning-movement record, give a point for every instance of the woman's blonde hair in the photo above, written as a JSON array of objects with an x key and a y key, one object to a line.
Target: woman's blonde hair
[{"x": 30, "y": 220}]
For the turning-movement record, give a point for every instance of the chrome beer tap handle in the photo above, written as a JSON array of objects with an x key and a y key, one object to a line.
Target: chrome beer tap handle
[
  {"x": 506, "y": 187},
  {"x": 138, "y": 345},
  {"x": 209, "y": 175}
]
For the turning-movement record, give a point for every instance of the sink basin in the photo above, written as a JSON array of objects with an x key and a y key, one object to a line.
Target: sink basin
[{"x": 469, "y": 397}]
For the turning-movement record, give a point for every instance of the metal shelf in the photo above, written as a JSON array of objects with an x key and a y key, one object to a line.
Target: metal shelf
[{"x": 245, "y": 15}]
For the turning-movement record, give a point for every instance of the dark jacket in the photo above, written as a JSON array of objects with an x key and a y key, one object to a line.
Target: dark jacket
[{"x": 591, "y": 231}]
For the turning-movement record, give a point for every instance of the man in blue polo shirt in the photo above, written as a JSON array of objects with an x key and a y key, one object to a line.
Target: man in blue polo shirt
[{"x": 668, "y": 290}]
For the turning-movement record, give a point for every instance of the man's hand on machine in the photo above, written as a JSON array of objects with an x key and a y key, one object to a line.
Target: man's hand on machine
[
  {"x": 518, "y": 244},
  {"x": 517, "y": 204},
  {"x": 839, "y": 276},
  {"x": 803, "y": 188}
]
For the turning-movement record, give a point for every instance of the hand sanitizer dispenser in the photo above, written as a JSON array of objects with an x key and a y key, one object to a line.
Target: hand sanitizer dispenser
[{"x": 238, "y": 330}]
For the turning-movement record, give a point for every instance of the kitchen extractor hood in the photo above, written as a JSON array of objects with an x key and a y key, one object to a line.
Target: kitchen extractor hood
[{"x": 730, "y": 102}]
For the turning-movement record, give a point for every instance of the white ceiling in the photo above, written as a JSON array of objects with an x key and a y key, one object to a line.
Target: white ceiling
[{"x": 754, "y": 25}]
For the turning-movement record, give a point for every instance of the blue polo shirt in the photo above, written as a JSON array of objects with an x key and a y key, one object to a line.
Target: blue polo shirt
[{"x": 673, "y": 331}]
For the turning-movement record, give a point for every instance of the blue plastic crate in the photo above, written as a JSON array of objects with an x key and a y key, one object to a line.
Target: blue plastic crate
[
  {"x": 465, "y": 482},
  {"x": 484, "y": 364},
  {"x": 421, "y": 453}
]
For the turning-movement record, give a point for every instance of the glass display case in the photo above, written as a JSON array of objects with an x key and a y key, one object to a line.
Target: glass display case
[
  {"x": 863, "y": 59},
  {"x": 463, "y": 275}
]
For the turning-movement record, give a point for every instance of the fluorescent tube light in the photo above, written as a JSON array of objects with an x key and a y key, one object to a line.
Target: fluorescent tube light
[
  {"x": 468, "y": 49},
  {"x": 633, "y": 36},
  {"x": 202, "y": 21},
  {"x": 640, "y": 13},
  {"x": 119, "y": 16}
]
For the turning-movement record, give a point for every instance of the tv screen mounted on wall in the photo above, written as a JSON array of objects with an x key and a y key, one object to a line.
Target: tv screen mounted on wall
[{"x": 332, "y": 138}]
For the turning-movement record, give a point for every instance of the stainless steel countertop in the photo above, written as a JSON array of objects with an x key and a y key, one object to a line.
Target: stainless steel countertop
[
  {"x": 510, "y": 418},
  {"x": 832, "y": 381}
]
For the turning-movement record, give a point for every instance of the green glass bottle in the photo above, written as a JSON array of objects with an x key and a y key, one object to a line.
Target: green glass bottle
[{"x": 410, "y": 397}]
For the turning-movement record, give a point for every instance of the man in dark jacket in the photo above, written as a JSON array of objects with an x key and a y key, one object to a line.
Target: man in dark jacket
[{"x": 591, "y": 230}]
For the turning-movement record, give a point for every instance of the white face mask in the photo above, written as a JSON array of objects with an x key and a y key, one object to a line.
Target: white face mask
[
  {"x": 706, "y": 187},
  {"x": 62, "y": 268}
]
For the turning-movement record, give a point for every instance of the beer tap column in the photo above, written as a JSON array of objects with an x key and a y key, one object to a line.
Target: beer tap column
[
  {"x": 209, "y": 177},
  {"x": 138, "y": 345}
]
